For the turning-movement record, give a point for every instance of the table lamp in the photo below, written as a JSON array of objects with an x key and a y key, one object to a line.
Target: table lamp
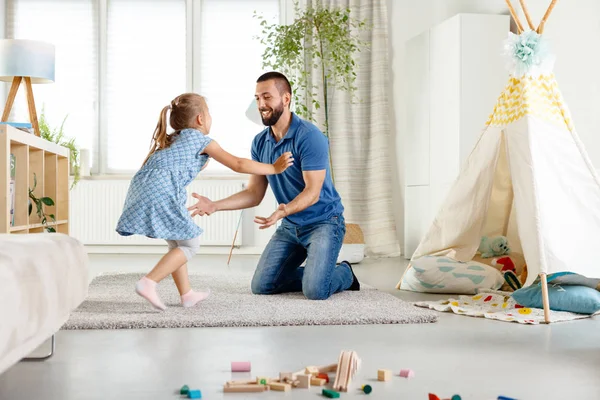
[
  {"x": 253, "y": 114},
  {"x": 29, "y": 61}
]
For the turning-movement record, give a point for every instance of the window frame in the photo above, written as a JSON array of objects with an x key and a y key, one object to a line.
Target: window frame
[{"x": 99, "y": 155}]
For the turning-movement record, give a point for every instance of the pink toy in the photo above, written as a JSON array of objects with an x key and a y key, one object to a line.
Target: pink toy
[
  {"x": 407, "y": 373},
  {"x": 240, "y": 366}
]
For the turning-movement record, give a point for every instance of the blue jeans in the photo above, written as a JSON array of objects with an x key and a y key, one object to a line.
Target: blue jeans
[{"x": 279, "y": 270}]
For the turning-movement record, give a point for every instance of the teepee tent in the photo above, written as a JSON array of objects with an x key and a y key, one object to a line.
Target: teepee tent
[{"x": 528, "y": 177}]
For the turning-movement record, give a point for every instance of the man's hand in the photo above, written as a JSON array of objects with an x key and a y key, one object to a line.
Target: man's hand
[
  {"x": 204, "y": 206},
  {"x": 276, "y": 216}
]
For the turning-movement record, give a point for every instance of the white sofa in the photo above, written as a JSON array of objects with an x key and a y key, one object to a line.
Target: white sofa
[{"x": 43, "y": 278}]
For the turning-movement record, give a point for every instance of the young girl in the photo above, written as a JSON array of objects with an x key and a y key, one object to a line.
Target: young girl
[{"x": 155, "y": 205}]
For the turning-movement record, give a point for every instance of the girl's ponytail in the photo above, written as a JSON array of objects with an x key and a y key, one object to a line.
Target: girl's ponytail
[
  {"x": 184, "y": 109},
  {"x": 159, "y": 139}
]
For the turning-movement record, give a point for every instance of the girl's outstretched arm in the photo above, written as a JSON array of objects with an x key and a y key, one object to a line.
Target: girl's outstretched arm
[{"x": 246, "y": 166}]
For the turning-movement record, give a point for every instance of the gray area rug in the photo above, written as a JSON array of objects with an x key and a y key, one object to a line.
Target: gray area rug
[{"x": 113, "y": 304}]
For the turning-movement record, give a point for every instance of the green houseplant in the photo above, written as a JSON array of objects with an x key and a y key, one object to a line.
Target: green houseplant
[
  {"x": 316, "y": 52},
  {"x": 57, "y": 135},
  {"x": 39, "y": 205}
]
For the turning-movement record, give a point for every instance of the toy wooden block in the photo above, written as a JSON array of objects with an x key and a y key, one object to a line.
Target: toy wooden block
[
  {"x": 317, "y": 381},
  {"x": 247, "y": 382},
  {"x": 384, "y": 375},
  {"x": 323, "y": 376},
  {"x": 332, "y": 394},
  {"x": 348, "y": 364},
  {"x": 280, "y": 387},
  {"x": 244, "y": 388},
  {"x": 194, "y": 394},
  {"x": 286, "y": 376},
  {"x": 311, "y": 370},
  {"x": 303, "y": 381},
  {"x": 328, "y": 368},
  {"x": 433, "y": 397},
  {"x": 262, "y": 380}
]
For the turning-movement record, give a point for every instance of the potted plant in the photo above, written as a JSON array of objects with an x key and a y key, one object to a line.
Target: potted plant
[
  {"x": 316, "y": 52},
  {"x": 56, "y": 135},
  {"x": 39, "y": 205}
]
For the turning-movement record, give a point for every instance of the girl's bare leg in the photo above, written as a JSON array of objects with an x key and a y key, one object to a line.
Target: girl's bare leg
[
  {"x": 169, "y": 263},
  {"x": 182, "y": 280}
]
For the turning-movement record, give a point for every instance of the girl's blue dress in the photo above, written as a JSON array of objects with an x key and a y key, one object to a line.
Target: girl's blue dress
[{"x": 155, "y": 205}]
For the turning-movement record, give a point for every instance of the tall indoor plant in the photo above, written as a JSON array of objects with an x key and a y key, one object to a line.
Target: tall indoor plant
[{"x": 316, "y": 52}]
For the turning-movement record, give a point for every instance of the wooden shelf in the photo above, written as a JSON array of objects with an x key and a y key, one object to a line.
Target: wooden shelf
[{"x": 35, "y": 160}]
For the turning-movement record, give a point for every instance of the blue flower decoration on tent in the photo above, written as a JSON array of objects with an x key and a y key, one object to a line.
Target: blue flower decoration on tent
[{"x": 528, "y": 54}]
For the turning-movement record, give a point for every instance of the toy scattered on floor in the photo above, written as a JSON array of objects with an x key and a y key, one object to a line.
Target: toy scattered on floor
[
  {"x": 493, "y": 247},
  {"x": 366, "y": 389},
  {"x": 348, "y": 365},
  {"x": 508, "y": 271},
  {"x": 281, "y": 387},
  {"x": 184, "y": 389},
  {"x": 194, "y": 394},
  {"x": 317, "y": 381},
  {"x": 286, "y": 377},
  {"x": 384, "y": 375},
  {"x": 261, "y": 380},
  {"x": 505, "y": 398},
  {"x": 240, "y": 366},
  {"x": 243, "y": 388},
  {"x": 303, "y": 381},
  {"x": 332, "y": 394},
  {"x": 407, "y": 373},
  {"x": 435, "y": 397}
]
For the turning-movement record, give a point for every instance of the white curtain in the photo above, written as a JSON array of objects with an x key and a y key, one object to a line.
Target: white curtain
[{"x": 359, "y": 134}]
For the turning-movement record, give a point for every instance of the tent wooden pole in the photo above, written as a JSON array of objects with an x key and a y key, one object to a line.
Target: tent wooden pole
[
  {"x": 402, "y": 277},
  {"x": 545, "y": 299},
  {"x": 540, "y": 28},
  {"x": 527, "y": 16},
  {"x": 514, "y": 15}
]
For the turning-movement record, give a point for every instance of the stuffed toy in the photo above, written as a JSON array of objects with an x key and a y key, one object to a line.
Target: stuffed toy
[
  {"x": 508, "y": 271},
  {"x": 493, "y": 247}
]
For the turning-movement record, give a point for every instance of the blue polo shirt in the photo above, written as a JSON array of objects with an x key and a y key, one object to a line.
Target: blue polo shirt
[{"x": 310, "y": 149}]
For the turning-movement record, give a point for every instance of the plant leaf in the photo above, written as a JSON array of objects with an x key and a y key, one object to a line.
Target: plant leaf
[{"x": 47, "y": 201}]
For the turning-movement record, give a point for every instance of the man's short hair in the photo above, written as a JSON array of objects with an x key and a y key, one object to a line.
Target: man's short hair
[{"x": 281, "y": 82}]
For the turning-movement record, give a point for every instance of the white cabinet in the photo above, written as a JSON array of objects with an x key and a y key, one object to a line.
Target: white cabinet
[{"x": 455, "y": 75}]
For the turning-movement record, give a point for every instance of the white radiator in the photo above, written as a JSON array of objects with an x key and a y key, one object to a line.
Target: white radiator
[{"x": 96, "y": 206}]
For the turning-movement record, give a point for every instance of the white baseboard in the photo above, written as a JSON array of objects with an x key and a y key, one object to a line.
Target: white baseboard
[{"x": 246, "y": 250}]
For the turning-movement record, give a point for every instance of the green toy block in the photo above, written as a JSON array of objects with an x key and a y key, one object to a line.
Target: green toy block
[
  {"x": 184, "y": 389},
  {"x": 332, "y": 394}
]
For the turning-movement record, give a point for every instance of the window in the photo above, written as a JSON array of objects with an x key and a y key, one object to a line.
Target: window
[
  {"x": 71, "y": 26},
  {"x": 119, "y": 62},
  {"x": 233, "y": 63},
  {"x": 145, "y": 70}
]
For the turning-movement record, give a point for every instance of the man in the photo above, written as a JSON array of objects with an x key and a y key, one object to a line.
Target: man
[{"x": 313, "y": 225}]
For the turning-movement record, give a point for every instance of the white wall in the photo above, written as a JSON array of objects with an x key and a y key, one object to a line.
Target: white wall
[{"x": 573, "y": 28}]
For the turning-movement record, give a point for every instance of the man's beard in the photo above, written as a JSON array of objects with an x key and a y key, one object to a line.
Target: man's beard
[{"x": 275, "y": 115}]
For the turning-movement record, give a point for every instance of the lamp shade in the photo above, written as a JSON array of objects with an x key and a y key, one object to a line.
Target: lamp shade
[
  {"x": 27, "y": 58},
  {"x": 252, "y": 113}
]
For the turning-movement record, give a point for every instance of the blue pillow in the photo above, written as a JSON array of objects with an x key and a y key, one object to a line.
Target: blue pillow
[{"x": 572, "y": 298}]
